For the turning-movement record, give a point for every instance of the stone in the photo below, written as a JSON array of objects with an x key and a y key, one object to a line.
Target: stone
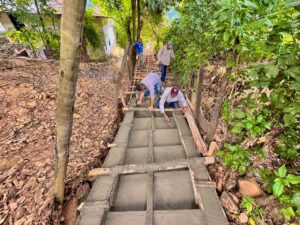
[
  {"x": 228, "y": 203},
  {"x": 250, "y": 188},
  {"x": 243, "y": 218}
]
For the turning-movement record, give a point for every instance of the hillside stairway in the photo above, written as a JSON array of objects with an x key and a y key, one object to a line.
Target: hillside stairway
[{"x": 153, "y": 174}]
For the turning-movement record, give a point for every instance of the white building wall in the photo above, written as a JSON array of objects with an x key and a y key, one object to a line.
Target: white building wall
[
  {"x": 5, "y": 23},
  {"x": 110, "y": 36}
]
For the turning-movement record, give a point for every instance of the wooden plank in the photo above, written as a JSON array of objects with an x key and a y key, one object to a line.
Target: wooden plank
[
  {"x": 130, "y": 169},
  {"x": 212, "y": 148},
  {"x": 201, "y": 146},
  {"x": 190, "y": 104},
  {"x": 126, "y": 109}
]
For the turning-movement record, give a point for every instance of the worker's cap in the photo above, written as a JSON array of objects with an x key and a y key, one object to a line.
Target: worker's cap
[{"x": 174, "y": 91}]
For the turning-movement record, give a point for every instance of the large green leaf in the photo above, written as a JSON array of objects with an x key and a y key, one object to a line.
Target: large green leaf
[
  {"x": 282, "y": 171},
  {"x": 296, "y": 199},
  {"x": 278, "y": 189},
  {"x": 293, "y": 179},
  {"x": 288, "y": 212}
]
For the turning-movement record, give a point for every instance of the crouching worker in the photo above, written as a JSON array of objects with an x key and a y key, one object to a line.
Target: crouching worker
[
  {"x": 149, "y": 85},
  {"x": 171, "y": 98}
]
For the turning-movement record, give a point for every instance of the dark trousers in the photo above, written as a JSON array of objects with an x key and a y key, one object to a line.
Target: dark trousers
[
  {"x": 174, "y": 105},
  {"x": 163, "y": 70}
]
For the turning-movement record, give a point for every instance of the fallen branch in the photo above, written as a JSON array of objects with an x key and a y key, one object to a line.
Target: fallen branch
[{"x": 155, "y": 167}]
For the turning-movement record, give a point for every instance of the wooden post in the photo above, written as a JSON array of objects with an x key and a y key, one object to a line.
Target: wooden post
[
  {"x": 215, "y": 112},
  {"x": 71, "y": 33},
  {"x": 199, "y": 95}
]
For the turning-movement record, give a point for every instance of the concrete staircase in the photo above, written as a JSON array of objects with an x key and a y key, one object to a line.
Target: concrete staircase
[{"x": 153, "y": 175}]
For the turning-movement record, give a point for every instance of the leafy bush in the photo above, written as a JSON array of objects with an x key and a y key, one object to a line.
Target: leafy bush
[
  {"x": 286, "y": 187},
  {"x": 260, "y": 42},
  {"x": 253, "y": 210},
  {"x": 235, "y": 157}
]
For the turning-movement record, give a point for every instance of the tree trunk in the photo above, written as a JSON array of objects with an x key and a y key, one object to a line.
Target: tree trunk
[
  {"x": 128, "y": 31},
  {"x": 71, "y": 34},
  {"x": 84, "y": 51},
  {"x": 140, "y": 22},
  {"x": 198, "y": 95},
  {"x": 133, "y": 8},
  {"x": 215, "y": 112}
]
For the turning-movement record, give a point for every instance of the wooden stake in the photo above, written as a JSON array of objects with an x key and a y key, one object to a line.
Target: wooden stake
[{"x": 212, "y": 148}]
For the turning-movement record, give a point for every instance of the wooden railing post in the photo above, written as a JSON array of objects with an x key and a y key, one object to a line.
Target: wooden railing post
[{"x": 199, "y": 95}]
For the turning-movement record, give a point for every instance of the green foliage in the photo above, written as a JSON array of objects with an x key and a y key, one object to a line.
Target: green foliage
[
  {"x": 38, "y": 29},
  {"x": 287, "y": 148},
  {"x": 151, "y": 15},
  {"x": 286, "y": 187},
  {"x": 91, "y": 31},
  {"x": 253, "y": 123},
  {"x": 264, "y": 35},
  {"x": 235, "y": 157},
  {"x": 254, "y": 211}
]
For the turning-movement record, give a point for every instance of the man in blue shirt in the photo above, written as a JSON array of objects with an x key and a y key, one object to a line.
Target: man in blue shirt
[{"x": 139, "y": 50}]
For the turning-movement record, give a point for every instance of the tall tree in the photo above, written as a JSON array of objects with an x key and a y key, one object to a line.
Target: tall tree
[
  {"x": 140, "y": 22},
  {"x": 133, "y": 8},
  {"x": 71, "y": 35}
]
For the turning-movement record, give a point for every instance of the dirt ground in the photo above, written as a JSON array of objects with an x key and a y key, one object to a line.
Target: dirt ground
[{"x": 27, "y": 137}]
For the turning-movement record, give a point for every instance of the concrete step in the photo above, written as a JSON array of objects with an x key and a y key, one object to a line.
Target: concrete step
[{"x": 172, "y": 185}]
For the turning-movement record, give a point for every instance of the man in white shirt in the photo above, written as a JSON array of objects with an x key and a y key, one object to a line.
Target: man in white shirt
[
  {"x": 171, "y": 98},
  {"x": 164, "y": 58},
  {"x": 149, "y": 85}
]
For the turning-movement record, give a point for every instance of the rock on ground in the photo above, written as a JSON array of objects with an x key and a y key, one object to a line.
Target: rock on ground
[{"x": 250, "y": 188}]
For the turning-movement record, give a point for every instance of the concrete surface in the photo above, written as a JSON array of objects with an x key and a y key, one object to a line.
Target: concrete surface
[
  {"x": 173, "y": 197},
  {"x": 131, "y": 193}
]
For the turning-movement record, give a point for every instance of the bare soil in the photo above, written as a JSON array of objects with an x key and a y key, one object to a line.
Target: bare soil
[{"x": 27, "y": 137}]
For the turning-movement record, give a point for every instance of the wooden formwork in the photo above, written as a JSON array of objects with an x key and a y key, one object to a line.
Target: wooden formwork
[{"x": 154, "y": 174}]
